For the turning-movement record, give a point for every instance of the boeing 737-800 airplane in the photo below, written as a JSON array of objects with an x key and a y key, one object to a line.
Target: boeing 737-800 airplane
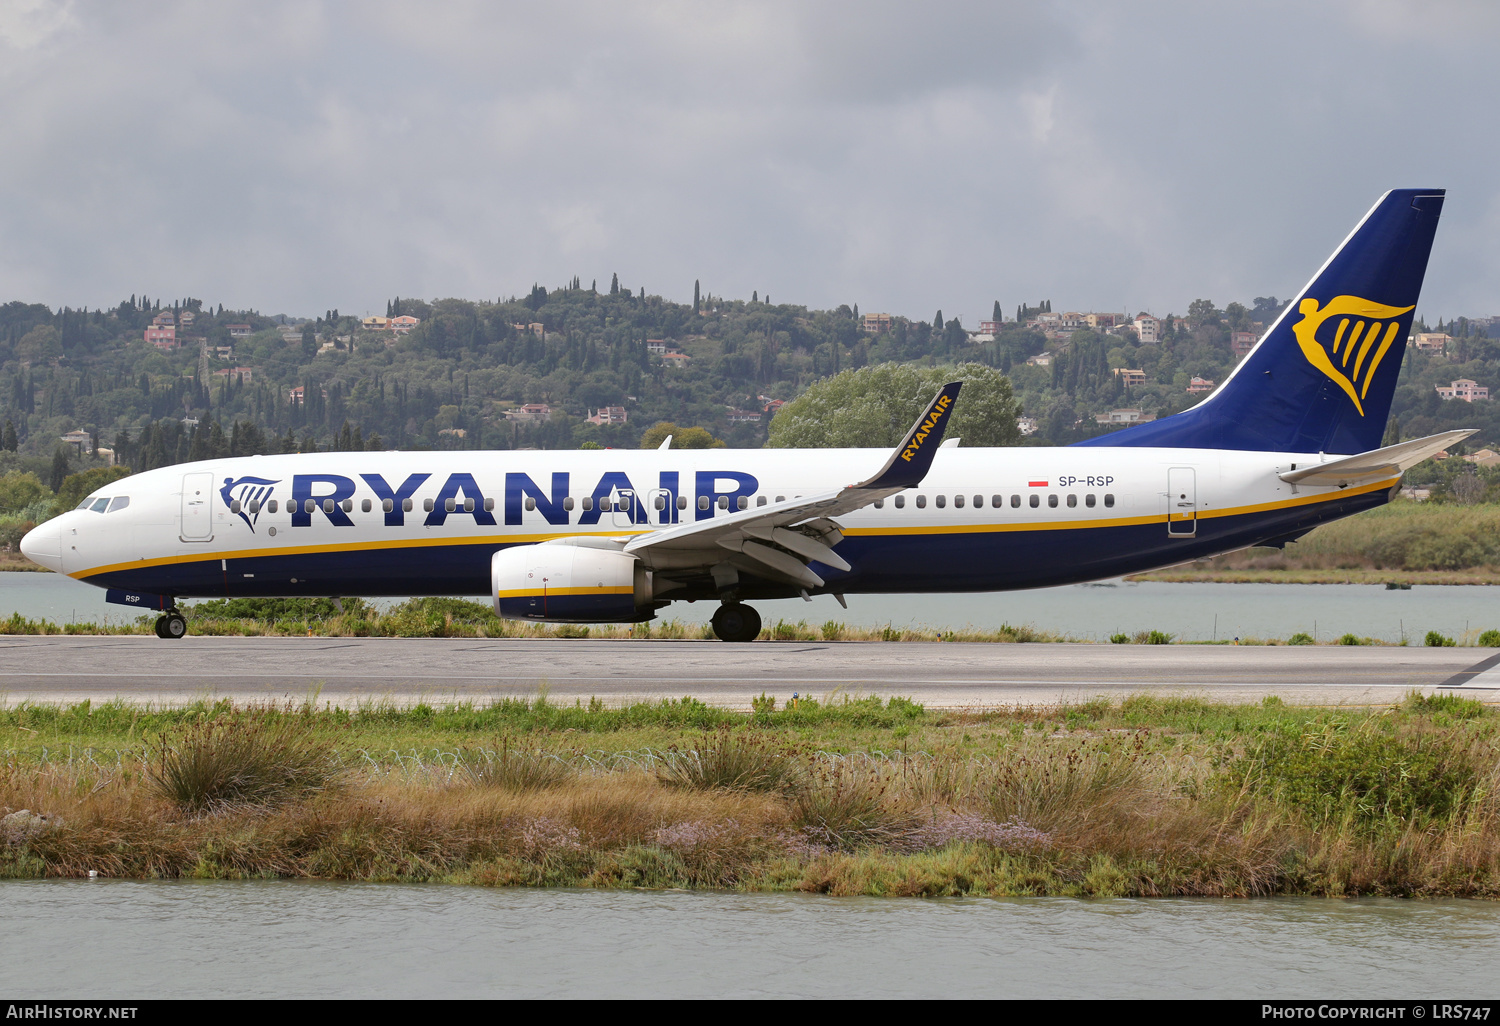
[{"x": 1290, "y": 440}]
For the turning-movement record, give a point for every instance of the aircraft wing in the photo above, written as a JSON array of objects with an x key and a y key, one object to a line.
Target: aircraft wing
[
  {"x": 778, "y": 541},
  {"x": 1390, "y": 461}
]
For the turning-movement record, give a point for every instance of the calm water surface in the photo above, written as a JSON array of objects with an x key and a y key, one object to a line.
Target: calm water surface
[
  {"x": 283, "y": 939},
  {"x": 1193, "y": 612}
]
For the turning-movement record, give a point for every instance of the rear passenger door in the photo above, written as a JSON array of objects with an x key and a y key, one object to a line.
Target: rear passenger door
[{"x": 1182, "y": 502}]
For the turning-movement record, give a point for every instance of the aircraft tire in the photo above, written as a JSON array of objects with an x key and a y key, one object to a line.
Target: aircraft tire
[
  {"x": 736, "y": 621},
  {"x": 171, "y": 626}
]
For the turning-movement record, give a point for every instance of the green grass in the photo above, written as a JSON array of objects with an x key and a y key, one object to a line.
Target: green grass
[{"x": 1146, "y": 796}]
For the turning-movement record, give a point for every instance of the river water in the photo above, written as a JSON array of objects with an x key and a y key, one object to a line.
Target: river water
[
  {"x": 128, "y": 939},
  {"x": 1191, "y": 612}
]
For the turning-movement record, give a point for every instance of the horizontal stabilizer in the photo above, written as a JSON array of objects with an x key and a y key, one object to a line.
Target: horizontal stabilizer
[{"x": 1379, "y": 463}]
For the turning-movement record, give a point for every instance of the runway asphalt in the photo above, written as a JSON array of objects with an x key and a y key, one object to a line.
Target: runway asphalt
[{"x": 347, "y": 671}]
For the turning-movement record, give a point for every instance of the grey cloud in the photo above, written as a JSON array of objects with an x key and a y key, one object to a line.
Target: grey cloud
[{"x": 298, "y": 156}]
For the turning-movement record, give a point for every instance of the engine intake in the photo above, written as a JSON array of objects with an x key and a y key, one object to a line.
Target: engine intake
[{"x": 570, "y": 583}]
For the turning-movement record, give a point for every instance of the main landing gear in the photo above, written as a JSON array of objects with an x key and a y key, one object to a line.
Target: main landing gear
[
  {"x": 171, "y": 624},
  {"x": 736, "y": 621}
]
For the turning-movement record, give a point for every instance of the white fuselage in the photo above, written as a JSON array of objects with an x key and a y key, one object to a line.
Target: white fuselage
[{"x": 380, "y": 523}]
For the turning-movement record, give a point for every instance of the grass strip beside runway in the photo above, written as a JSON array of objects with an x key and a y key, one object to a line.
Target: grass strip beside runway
[{"x": 1142, "y": 797}]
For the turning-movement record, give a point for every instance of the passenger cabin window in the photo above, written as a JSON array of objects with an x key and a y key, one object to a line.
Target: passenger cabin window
[
  {"x": 1036, "y": 500},
  {"x": 530, "y": 504},
  {"x": 427, "y": 505},
  {"x": 1088, "y": 500},
  {"x": 703, "y": 502},
  {"x": 327, "y": 505},
  {"x": 1109, "y": 500},
  {"x": 1051, "y": 502},
  {"x": 234, "y": 505},
  {"x": 254, "y": 506},
  {"x": 723, "y": 502},
  {"x": 389, "y": 505},
  {"x": 900, "y": 502},
  {"x": 1015, "y": 501},
  {"x": 364, "y": 505},
  {"x": 586, "y": 503},
  {"x": 449, "y": 505},
  {"x": 348, "y": 505},
  {"x": 567, "y": 503},
  {"x": 743, "y": 502},
  {"x": 405, "y": 506},
  {"x": 1072, "y": 501},
  {"x": 661, "y": 502},
  {"x": 979, "y": 502},
  {"x": 958, "y": 502},
  {"x": 271, "y": 506},
  {"x": 682, "y": 502},
  {"x": 489, "y": 505},
  {"x": 781, "y": 498},
  {"x": 941, "y": 500},
  {"x": 921, "y": 502},
  {"x": 880, "y": 504},
  {"x": 760, "y": 500}
]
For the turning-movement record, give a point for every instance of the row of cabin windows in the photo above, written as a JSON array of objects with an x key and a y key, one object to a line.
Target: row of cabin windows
[
  {"x": 997, "y": 501},
  {"x": 605, "y": 505}
]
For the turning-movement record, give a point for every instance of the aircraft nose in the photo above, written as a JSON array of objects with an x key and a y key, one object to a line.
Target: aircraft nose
[{"x": 43, "y": 545}]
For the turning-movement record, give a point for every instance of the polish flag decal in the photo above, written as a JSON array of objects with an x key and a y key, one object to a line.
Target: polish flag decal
[{"x": 1037, "y": 484}]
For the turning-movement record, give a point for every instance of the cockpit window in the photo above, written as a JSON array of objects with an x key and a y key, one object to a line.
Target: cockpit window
[
  {"x": 84, "y": 504},
  {"x": 100, "y": 505},
  {"x": 118, "y": 502}
]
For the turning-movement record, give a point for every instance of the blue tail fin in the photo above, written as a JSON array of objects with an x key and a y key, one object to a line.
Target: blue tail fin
[{"x": 1321, "y": 379}]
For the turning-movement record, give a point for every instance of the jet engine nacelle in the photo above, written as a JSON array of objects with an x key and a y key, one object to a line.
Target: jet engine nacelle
[{"x": 570, "y": 583}]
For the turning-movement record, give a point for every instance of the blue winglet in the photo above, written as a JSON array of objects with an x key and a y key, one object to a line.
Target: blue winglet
[{"x": 912, "y": 458}]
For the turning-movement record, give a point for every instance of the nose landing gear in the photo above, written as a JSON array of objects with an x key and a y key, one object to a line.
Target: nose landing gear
[
  {"x": 736, "y": 621},
  {"x": 171, "y": 625}
]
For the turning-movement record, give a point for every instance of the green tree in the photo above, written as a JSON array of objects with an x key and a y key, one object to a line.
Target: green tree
[
  {"x": 874, "y": 406},
  {"x": 18, "y": 490},
  {"x": 697, "y": 298},
  {"x": 40, "y": 344},
  {"x": 60, "y": 457},
  {"x": 9, "y": 441},
  {"x": 682, "y": 438}
]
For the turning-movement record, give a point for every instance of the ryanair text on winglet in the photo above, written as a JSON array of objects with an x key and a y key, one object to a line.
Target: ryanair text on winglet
[{"x": 939, "y": 408}]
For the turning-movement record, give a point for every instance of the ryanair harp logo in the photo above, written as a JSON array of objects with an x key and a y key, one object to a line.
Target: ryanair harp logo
[
  {"x": 1359, "y": 334},
  {"x": 250, "y": 493}
]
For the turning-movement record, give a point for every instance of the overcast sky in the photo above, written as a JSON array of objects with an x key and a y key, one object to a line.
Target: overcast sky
[{"x": 297, "y": 156}]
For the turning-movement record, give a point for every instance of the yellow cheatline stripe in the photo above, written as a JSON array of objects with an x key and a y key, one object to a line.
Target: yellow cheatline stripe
[
  {"x": 557, "y": 592},
  {"x": 531, "y": 539},
  {"x": 208, "y": 555},
  {"x": 1077, "y": 525}
]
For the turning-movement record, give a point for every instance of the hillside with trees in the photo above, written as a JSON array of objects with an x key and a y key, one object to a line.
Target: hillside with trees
[{"x": 529, "y": 371}]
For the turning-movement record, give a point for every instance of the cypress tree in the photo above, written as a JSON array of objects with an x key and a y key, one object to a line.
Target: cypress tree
[
  {"x": 10, "y": 442},
  {"x": 697, "y": 298},
  {"x": 614, "y": 284},
  {"x": 996, "y": 315},
  {"x": 937, "y": 321}
]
